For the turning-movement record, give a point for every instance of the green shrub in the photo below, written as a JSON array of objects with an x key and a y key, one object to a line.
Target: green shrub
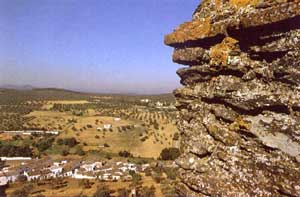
[
  {"x": 71, "y": 142},
  {"x": 22, "y": 192},
  {"x": 102, "y": 191},
  {"x": 8, "y": 150},
  {"x": 125, "y": 154},
  {"x": 79, "y": 151},
  {"x": 176, "y": 136},
  {"x": 171, "y": 173},
  {"x": 64, "y": 152},
  {"x": 169, "y": 154},
  {"x": 44, "y": 144},
  {"x": 123, "y": 192}
]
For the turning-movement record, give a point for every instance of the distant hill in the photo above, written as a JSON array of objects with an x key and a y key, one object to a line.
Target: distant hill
[
  {"x": 31, "y": 93},
  {"x": 16, "y": 87},
  {"x": 51, "y": 89}
]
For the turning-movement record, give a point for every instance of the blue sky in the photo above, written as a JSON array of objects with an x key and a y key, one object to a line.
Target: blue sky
[{"x": 90, "y": 45}]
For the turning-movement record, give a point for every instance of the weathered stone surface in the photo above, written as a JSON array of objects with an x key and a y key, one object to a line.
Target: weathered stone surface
[{"x": 240, "y": 104}]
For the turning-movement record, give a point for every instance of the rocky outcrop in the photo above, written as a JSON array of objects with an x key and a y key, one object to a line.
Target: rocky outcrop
[{"x": 240, "y": 104}]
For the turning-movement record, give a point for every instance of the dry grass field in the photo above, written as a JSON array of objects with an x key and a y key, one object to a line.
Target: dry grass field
[
  {"x": 49, "y": 119},
  {"x": 5, "y": 136},
  {"x": 142, "y": 129},
  {"x": 86, "y": 129},
  {"x": 74, "y": 187},
  {"x": 49, "y": 104}
]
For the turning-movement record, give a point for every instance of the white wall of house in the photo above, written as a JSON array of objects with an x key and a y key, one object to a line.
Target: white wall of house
[
  {"x": 145, "y": 100},
  {"x": 119, "y": 173},
  {"x": 106, "y": 176},
  {"x": 52, "y": 132},
  {"x": 89, "y": 167},
  {"x": 107, "y": 126},
  {"x": 12, "y": 178},
  {"x": 3, "y": 180},
  {"x": 56, "y": 170},
  {"x": 82, "y": 176},
  {"x": 116, "y": 177},
  {"x": 14, "y": 158},
  {"x": 159, "y": 104},
  {"x": 123, "y": 168},
  {"x": 69, "y": 173},
  {"x": 34, "y": 177}
]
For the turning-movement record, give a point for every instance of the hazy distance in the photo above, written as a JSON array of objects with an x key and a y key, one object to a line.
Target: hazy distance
[{"x": 92, "y": 45}]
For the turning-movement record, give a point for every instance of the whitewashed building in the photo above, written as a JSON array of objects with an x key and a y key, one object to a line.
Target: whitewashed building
[
  {"x": 117, "y": 119},
  {"x": 81, "y": 175},
  {"x": 56, "y": 170},
  {"x": 107, "y": 126},
  {"x": 14, "y": 158},
  {"x": 99, "y": 129},
  {"x": 145, "y": 100},
  {"x": 32, "y": 175},
  {"x": 159, "y": 104},
  {"x": 3, "y": 179},
  {"x": 89, "y": 167}
]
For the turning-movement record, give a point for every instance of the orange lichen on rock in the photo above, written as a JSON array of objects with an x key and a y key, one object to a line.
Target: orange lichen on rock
[
  {"x": 238, "y": 112},
  {"x": 239, "y": 124},
  {"x": 243, "y": 3},
  {"x": 218, "y": 4},
  {"x": 220, "y": 52},
  {"x": 211, "y": 26},
  {"x": 193, "y": 30},
  {"x": 242, "y": 124}
]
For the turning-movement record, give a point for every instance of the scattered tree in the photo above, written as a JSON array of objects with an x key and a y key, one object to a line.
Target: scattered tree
[
  {"x": 102, "y": 191},
  {"x": 125, "y": 154},
  {"x": 169, "y": 154}
]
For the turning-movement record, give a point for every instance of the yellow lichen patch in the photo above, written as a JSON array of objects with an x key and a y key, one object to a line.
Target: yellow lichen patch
[
  {"x": 223, "y": 135},
  {"x": 196, "y": 29},
  {"x": 243, "y": 124},
  {"x": 218, "y": 4},
  {"x": 239, "y": 124},
  {"x": 220, "y": 52},
  {"x": 243, "y": 3}
]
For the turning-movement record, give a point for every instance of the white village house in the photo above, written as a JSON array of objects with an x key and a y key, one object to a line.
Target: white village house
[
  {"x": 56, "y": 170},
  {"x": 7, "y": 176},
  {"x": 3, "y": 179},
  {"x": 145, "y": 100},
  {"x": 14, "y": 158},
  {"x": 32, "y": 175},
  {"x": 30, "y": 132},
  {"x": 79, "y": 174},
  {"x": 39, "y": 169},
  {"x": 159, "y": 104},
  {"x": 107, "y": 126},
  {"x": 89, "y": 167},
  {"x": 117, "y": 119}
]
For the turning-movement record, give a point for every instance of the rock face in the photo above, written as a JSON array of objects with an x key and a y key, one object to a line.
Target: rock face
[{"x": 240, "y": 104}]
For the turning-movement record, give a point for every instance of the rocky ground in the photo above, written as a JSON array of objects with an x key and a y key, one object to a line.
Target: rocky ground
[{"x": 240, "y": 104}]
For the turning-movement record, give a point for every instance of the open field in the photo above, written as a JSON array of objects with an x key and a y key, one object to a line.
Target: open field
[
  {"x": 83, "y": 116},
  {"x": 48, "y": 119},
  {"x": 87, "y": 127},
  {"x": 49, "y": 104},
  {"x": 73, "y": 187}
]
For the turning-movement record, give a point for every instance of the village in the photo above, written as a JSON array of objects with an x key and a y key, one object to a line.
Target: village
[{"x": 27, "y": 169}]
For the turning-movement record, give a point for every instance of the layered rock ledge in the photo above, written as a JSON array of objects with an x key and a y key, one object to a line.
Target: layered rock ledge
[{"x": 240, "y": 101}]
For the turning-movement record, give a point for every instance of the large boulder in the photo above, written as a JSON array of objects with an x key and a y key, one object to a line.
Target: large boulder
[{"x": 240, "y": 104}]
